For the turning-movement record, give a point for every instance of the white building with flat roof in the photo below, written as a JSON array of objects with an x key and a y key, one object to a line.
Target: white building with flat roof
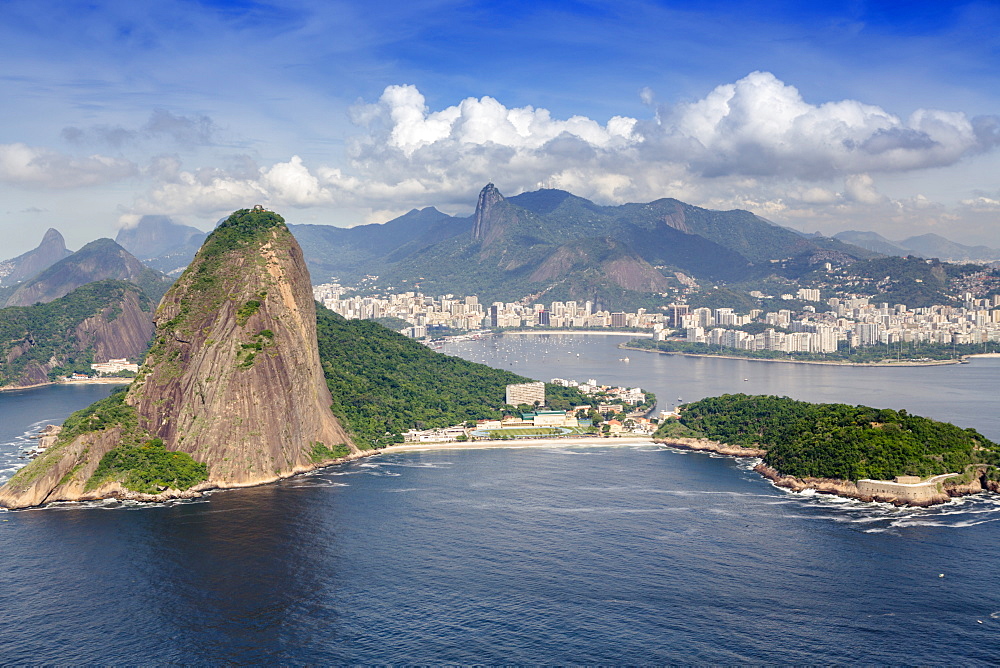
[{"x": 526, "y": 393}]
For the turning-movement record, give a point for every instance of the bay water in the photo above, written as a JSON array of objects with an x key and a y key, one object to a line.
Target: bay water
[{"x": 565, "y": 555}]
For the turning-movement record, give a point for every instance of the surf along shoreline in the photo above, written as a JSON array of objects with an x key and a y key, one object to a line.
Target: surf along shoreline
[
  {"x": 942, "y": 491},
  {"x": 831, "y": 486}
]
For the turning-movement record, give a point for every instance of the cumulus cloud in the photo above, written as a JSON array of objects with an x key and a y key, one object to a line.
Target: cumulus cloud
[
  {"x": 42, "y": 167},
  {"x": 754, "y": 143}
]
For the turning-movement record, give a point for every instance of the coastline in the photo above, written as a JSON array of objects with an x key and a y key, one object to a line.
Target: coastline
[
  {"x": 847, "y": 489},
  {"x": 633, "y": 335},
  {"x": 819, "y": 362},
  {"x": 90, "y": 381},
  {"x": 520, "y": 443}
]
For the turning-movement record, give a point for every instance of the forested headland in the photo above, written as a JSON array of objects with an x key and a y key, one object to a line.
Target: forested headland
[{"x": 840, "y": 441}]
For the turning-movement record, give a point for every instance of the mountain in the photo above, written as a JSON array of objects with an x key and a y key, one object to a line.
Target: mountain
[
  {"x": 231, "y": 393},
  {"x": 51, "y": 250},
  {"x": 873, "y": 241},
  {"x": 99, "y": 260},
  {"x": 333, "y": 251},
  {"x": 925, "y": 246},
  {"x": 934, "y": 245},
  {"x": 161, "y": 243},
  {"x": 553, "y": 243},
  {"x": 384, "y": 383},
  {"x": 94, "y": 323}
]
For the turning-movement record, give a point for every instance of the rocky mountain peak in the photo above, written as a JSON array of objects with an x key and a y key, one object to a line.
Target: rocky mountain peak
[
  {"x": 233, "y": 382},
  {"x": 53, "y": 238},
  {"x": 489, "y": 199}
]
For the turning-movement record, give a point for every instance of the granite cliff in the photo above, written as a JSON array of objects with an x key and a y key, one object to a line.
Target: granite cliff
[
  {"x": 231, "y": 394},
  {"x": 48, "y": 252},
  {"x": 94, "y": 323}
]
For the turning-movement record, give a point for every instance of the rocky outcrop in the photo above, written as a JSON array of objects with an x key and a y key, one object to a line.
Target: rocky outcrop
[
  {"x": 48, "y": 252},
  {"x": 490, "y": 216},
  {"x": 97, "y": 261},
  {"x": 940, "y": 491},
  {"x": 233, "y": 378},
  {"x": 706, "y": 445},
  {"x": 121, "y": 326}
]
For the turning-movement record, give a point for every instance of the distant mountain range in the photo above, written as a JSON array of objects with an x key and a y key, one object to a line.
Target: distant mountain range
[
  {"x": 925, "y": 245},
  {"x": 543, "y": 245},
  {"x": 99, "y": 260},
  {"x": 553, "y": 243},
  {"x": 24, "y": 266},
  {"x": 161, "y": 243}
]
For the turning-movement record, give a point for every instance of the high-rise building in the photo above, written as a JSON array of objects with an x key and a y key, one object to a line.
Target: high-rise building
[{"x": 526, "y": 393}]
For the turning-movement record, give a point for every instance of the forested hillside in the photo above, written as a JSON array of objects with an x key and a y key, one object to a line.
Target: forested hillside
[
  {"x": 42, "y": 341},
  {"x": 836, "y": 440},
  {"x": 384, "y": 383}
]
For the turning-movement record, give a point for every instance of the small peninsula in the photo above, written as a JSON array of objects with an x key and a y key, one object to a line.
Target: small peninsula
[{"x": 859, "y": 452}]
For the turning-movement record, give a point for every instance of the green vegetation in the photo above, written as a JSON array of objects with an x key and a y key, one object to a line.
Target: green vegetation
[
  {"x": 835, "y": 440},
  {"x": 244, "y": 312},
  {"x": 247, "y": 353},
  {"x": 139, "y": 462},
  {"x": 31, "y": 336},
  {"x": 204, "y": 286},
  {"x": 148, "y": 468},
  {"x": 384, "y": 383},
  {"x": 913, "y": 281},
  {"x": 321, "y": 453}
]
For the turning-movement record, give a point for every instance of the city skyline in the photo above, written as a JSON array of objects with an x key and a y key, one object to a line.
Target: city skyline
[{"x": 875, "y": 117}]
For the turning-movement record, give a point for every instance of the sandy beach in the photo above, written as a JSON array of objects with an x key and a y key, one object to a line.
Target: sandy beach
[
  {"x": 525, "y": 443},
  {"x": 90, "y": 381}
]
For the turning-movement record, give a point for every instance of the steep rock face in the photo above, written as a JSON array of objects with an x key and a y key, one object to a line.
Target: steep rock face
[
  {"x": 51, "y": 250},
  {"x": 47, "y": 336},
  {"x": 234, "y": 377},
  {"x": 123, "y": 330},
  {"x": 61, "y": 475},
  {"x": 232, "y": 392},
  {"x": 489, "y": 219}
]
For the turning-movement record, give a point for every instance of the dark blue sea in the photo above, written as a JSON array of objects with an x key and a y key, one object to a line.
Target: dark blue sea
[{"x": 562, "y": 555}]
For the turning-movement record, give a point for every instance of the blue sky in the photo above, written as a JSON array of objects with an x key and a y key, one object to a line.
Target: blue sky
[{"x": 853, "y": 115}]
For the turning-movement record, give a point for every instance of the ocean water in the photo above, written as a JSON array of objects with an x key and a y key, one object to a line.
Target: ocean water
[{"x": 555, "y": 555}]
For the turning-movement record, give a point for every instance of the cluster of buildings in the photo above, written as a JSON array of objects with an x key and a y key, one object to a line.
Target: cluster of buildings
[
  {"x": 606, "y": 394},
  {"x": 571, "y": 422},
  {"x": 855, "y": 321},
  {"x": 115, "y": 366},
  {"x": 425, "y": 313},
  {"x": 820, "y": 327}
]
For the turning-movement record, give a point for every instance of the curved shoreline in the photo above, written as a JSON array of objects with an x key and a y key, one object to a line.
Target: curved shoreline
[
  {"x": 781, "y": 361},
  {"x": 847, "y": 489},
  {"x": 89, "y": 381}
]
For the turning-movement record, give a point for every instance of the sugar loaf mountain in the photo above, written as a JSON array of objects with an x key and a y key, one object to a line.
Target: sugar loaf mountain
[{"x": 234, "y": 391}]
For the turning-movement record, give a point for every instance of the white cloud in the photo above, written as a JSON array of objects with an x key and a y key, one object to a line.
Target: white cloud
[
  {"x": 861, "y": 188},
  {"x": 755, "y": 143},
  {"x": 42, "y": 167}
]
